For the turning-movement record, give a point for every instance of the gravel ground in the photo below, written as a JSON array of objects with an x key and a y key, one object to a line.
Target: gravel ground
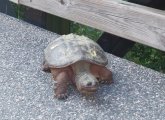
[{"x": 26, "y": 93}]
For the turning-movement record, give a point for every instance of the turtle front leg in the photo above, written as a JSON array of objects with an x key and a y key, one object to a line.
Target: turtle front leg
[
  {"x": 105, "y": 76},
  {"x": 102, "y": 74},
  {"x": 61, "y": 85}
]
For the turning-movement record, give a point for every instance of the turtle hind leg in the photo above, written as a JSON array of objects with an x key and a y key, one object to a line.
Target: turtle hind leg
[
  {"x": 45, "y": 67},
  {"x": 62, "y": 81}
]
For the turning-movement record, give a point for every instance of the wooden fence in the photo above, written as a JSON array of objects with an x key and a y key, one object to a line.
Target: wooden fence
[{"x": 138, "y": 23}]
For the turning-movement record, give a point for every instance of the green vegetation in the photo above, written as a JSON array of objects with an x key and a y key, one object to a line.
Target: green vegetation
[
  {"x": 19, "y": 10},
  {"x": 147, "y": 56},
  {"x": 79, "y": 29}
]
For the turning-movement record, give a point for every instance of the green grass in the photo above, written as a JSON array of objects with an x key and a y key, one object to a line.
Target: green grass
[
  {"x": 80, "y": 29},
  {"x": 147, "y": 56}
]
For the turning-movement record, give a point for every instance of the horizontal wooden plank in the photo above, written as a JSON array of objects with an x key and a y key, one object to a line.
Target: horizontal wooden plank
[
  {"x": 138, "y": 23},
  {"x": 15, "y": 1}
]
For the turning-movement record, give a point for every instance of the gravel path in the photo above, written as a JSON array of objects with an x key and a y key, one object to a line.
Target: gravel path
[{"x": 26, "y": 93}]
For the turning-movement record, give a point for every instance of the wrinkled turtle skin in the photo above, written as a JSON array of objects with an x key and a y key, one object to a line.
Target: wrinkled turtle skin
[{"x": 77, "y": 60}]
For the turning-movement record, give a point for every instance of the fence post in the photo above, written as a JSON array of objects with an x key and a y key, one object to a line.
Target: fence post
[
  {"x": 57, "y": 24},
  {"x": 47, "y": 21}
]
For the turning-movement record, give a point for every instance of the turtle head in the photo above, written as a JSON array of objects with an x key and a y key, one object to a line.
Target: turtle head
[{"x": 86, "y": 83}]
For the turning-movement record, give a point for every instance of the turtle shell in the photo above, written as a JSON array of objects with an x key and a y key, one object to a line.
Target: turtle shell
[{"x": 68, "y": 49}]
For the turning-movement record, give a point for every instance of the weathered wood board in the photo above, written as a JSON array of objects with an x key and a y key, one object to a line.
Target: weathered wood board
[
  {"x": 15, "y": 1},
  {"x": 138, "y": 23}
]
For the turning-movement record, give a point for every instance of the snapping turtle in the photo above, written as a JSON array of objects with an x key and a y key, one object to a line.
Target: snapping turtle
[{"x": 78, "y": 60}]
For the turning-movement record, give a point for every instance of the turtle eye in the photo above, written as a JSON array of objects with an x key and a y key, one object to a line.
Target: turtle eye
[{"x": 97, "y": 78}]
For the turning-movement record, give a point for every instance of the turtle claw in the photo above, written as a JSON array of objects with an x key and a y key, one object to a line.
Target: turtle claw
[
  {"x": 105, "y": 81},
  {"x": 61, "y": 96}
]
